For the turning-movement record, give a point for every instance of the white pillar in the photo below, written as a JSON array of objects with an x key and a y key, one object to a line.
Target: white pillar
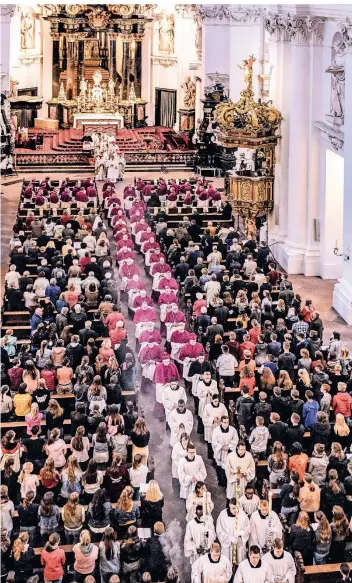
[
  {"x": 342, "y": 298},
  {"x": 47, "y": 67},
  {"x": 7, "y": 11},
  {"x": 147, "y": 69}
]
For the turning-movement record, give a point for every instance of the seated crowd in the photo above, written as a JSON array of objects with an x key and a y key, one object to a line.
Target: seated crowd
[{"x": 271, "y": 398}]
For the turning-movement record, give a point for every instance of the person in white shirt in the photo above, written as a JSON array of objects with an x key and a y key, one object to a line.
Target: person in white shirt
[
  {"x": 240, "y": 467},
  {"x": 281, "y": 563},
  {"x": 138, "y": 473},
  {"x": 264, "y": 525},
  {"x": 211, "y": 419},
  {"x": 12, "y": 277},
  {"x": 191, "y": 469},
  {"x": 40, "y": 285},
  {"x": 213, "y": 567},
  {"x": 206, "y": 387},
  {"x": 226, "y": 366},
  {"x": 199, "y": 536},
  {"x": 90, "y": 241},
  {"x": 254, "y": 569},
  {"x": 249, "y": 266},
  {"x": 180, "y": 421},
  {"x": 90, "y": 279}
]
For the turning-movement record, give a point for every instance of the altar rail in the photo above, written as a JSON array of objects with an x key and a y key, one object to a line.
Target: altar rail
[{"x": 132, "y": 158}]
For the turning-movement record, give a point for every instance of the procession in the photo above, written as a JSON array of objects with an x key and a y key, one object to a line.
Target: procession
[{"x": 110, "y": 163}]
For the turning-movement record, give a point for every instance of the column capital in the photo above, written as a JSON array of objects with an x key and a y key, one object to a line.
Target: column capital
[
  {"x": 229, "y": 14},
  {"x": 7, "y": 12},
  {"x": 300, "y": 30}
]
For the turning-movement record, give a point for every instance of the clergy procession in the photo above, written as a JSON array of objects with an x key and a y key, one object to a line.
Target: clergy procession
[{"x": 137, "y": 294}]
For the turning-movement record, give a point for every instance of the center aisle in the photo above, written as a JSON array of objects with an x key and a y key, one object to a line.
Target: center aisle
[{"x": 159, "y": 447}]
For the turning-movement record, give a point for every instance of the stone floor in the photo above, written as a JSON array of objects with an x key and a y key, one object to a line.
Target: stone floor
[{"x": 174, "y": 510}]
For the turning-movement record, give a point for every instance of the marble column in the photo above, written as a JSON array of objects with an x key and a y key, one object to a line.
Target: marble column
[
  {"x": 342, "y": 297},
  {"x": 47, "y": 66},
  {"x": 147, "y": 71},
  {"x": 7, "y": 11}
]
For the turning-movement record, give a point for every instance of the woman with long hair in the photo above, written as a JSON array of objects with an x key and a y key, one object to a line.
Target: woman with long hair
[
  {"x": 92, "y": 479},
  {"x": 338, "y": 460},
  {"x": 341, "y": 432},
  {"x": 301, "y": 538},
  {"x": 54, "y": 416},
  {"x": 267, "y": 380},
  {"x": 289, "y": 495},
  {"x": 247, "y": 379},
  {"x": 92, "y": 296},
  {"x": 86, "y": 554},
  {"x": 11, "y": 448},
  {"x": 277, "y": 465},
  {"x": 138, "y": 474},
  {"x": 73, "y": 516},
  {"x": 29, "y": 481},
  {"x": 309, "y": 496},
  {"x": 109, "y": 555},
  {"x": 33, "y": 418},
  {"x": 140, "y": 437},
  {"x": 285, "y": 382},
  {"x": 125, "y": 514},
  {"x": 340, "y": 531},
  {"x": 7, "y": 509},
  {"x": 48, "y": 476},
  {"x": 152, "y": 503},
  {"x": 116, "y": 478},
  {"x": 22, "y": 402},
  {"x": 114, "y": 420},
  {"x": 23, "y": 558},
  {"x": 101, "y": 445},
  {"x": 56, "y": 448},
  {"x": 30, "y": 376},
  {"x": 322, "y": 539},
  {"x": 9, "y": 343},
  {"x": 131, "y": 553},
  {"x": 80, "y": 447},
  {"x": 43, "y": 354},
  {"x": 6, "y": 403},
  {"x": 106, "y": 350},
  {"x": 28, "y": 517},
  {"x": 332, "y": 494},
  {"x": 53, "y": 559},
  {"x": 9, "y": 478},
  {"x": 98, "y": 514},
  {"x": 71, "y": 477},
  {"x": 49, "y": 516},
  {"x": 303, "y": 382},
  {"x": 305, "y": 361},
  {"x": 119, "y": 442}
]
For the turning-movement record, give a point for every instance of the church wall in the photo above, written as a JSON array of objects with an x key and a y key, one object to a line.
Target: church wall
[{"x": 26, "y": 64}]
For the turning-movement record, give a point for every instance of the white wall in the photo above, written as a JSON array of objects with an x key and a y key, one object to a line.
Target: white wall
[{"x": 332, "y": 213}]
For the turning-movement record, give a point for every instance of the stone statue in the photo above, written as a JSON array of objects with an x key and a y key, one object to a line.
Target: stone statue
[
  {"x": 27, "y": 31},
  {"x": 166, "y": 33},
  {"x": 83, "y": 86},
  {"x": 189, "y": 97},
  {"x": 336, "y": 106},
  {"x": 337, "y": 72}
]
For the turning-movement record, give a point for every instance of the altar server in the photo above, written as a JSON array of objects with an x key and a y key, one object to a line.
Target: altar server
[
  {"x": 211, "y": 417},
  {"x": 249, "y": 502},
  {"x": 240, "y": 467},
  {"x": 180, "y": 420},
  {"x": 254, "y": 569},
  {"x": 191, "y": 469},
  {"x": 233, "y": 530},
  {"x": 281, "y": 563},
  {"x": 212, "y": 567},
  {"x": 206, "y": 387},
  {"x": 265, "y": 527},
  {"x": 224, "y": 439},
  {"x": 200, "y": 496},
  {"x": 172, "y": 394},
  {"x": 199, "y": 536},
  {"x": 179, "y": 451}
]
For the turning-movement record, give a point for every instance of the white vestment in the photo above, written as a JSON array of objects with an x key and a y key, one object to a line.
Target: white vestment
[
  {"x": 221, "y": 439},
  {"x": 205, "y": 571},
  {"x": 193, "y": 501},
  {"x": 199, "y": 533},
  {"x": 211, "y": 419},
  {"x": 249, "y": 506},
  {"x": 247, "y": 574},
  {"x": 284, "y": 569},
  {"x": 172, "y": 397},
  {"x": 233, "y": 530},
  {"x": 204, "y": 393},
  {"x": 190, "y": 472},
  {"x": 178, "y": 452},
  {"x": 261, "y": 527},
  {"x": 241, "y": 468},
  {"x": 175, "y": 420}
]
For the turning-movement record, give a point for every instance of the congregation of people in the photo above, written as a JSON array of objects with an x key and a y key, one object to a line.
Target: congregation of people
[{"x": 229, "y": 354}]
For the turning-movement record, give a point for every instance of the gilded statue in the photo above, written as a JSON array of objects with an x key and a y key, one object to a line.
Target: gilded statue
[
  {"x": 189, "y": 95},
  {"x": 27, "y": 31},
  {"x": 247, "y": 66}
]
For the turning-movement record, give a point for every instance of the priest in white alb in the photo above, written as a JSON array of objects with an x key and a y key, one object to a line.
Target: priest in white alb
[
  {"x": 191, "y": 469},
  {"x": 211, "y": 419},
  {"x": 281, "y": 563},
  {"x": 200, "y": 535},
  {"x": 213, "y": 567},
  {"x": 254, "y": 569},
  {"x": 232, "y": 528},
  {"x": 265, "y": 527},
  {"x": 172, "y": 394},
  {"x": 180, "y": 421},
  {"x": 224, "y": 439},
  {"x": 240, "y": 467}
]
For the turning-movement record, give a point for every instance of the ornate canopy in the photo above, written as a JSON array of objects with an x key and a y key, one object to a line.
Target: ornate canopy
[{"x": 248, "y": 116}]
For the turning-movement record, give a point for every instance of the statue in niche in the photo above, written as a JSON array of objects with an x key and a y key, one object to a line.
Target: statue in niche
[
  {"x": 27, "y": 31},
  {"x": 337, "y": 71},
  {"x": 166, "y": 33},
  {"x": 189, "y": 96}
]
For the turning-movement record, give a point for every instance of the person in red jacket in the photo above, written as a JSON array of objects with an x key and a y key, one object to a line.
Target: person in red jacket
[
  {"x": 342, "y": 402},
  {"x": 53, "y": 559}
]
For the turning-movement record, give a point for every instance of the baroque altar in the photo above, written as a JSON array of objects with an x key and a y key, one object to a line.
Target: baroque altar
[{"x": 247, "y": 135}]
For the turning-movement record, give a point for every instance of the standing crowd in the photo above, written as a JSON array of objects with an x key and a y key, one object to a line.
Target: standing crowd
[{"x": 238, "y": 360}]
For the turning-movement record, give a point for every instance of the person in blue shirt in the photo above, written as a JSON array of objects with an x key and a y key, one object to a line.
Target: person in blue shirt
[
  {"x": 310, "y": 410},
  {"x": 53, "y": 291},
  {"x": 37, "y": 319}
]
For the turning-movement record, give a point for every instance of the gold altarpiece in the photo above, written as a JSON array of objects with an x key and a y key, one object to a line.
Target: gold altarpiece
[
  {"x": 85, "y": 48},
  {"x": 247, "y": 134}
]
